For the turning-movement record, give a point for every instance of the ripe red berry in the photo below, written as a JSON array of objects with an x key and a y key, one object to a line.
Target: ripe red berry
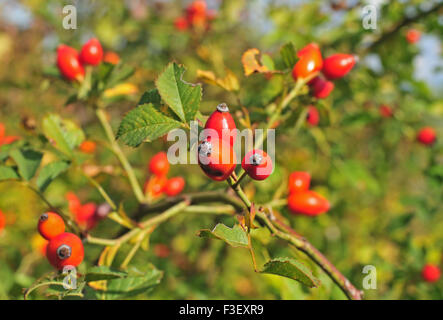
[
  {"x": 309, "y": 63},
  {"x": 313, "y": 117},
  {"x": 308, "y": 48},
  {"x": 50, "y": 225},
  {"x": 154, "y": 185},
  {"x": 222, "y": 122},
  {"x": 413, "y": 36},
  {"x": 73, "y": 202},
  {"x": 174, "y": 186},
  {"x": 159, "y": 164},
  {"x": 431, "y": 273},
  {"x": 321, "y": 88},
  {"x": 427, "y": 135},
  {"x": 308, "y": 203},
  {"x": 257, "y": 164},
  {"x": 2, "y": 221},
  {"x": 85, "y": 215},
  {"x": 181, "y": 24},
  {"x": 92, "y": 52},
  {"x": 217, "y": 159},
  {"x": 386, "y": 111},
  {"x": 338, "y": 65},
  {"x": 299, "y": 181},
  {"x": 111, "y": 57},
  {"x": 88, "y": 146},
  {"x": 65, "y": 250},
  {"x": 68, "y": 63}
]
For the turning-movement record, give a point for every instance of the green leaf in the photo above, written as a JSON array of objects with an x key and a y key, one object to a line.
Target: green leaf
[
  {"x": 50, "y": 172},
  {"x": 103, "y": 273},
  {"x": 151, "y": 96},
  {"x": 27, "y": 161},
  {"x": 290, "y": 268},
  {"x": 289, "y": 55},
  {"x": 135, "y": 283},
  {"x": 65, "y": 134},
  {"x": 8, "y": 173},
  {"x": 267, "y": 61},
  {"x": 144, "y": 123},
  {"x": 183, "y": 98},
  {"x": 235, "y": 236}
]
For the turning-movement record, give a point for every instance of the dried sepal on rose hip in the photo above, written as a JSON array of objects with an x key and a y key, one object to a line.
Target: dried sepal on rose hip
[
  {"x": 216, "y": 158},
  {"x": 222, "y": 124},
  {"x": 65, "y": 250},
  {"x": 257, "y": 164},
  {"x": 50, "y": 225}
]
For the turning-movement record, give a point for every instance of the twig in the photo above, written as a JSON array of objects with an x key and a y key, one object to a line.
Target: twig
[{"x": 120, "y": 155}]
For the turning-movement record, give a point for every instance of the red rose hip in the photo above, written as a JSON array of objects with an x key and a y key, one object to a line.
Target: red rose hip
[
  {"x": 222, "y": 123},
  {"x": 257, "y": 164},
  {"x": 159, "y": 164},
  {"x": 65, "y": 250},
  {"x": 299, "y": 181},
  {"x": 338, "y": 65},
  {"x": 174, "y": 186},
  {"x": 430, "y": 273},
  {"x": 92, "y": 52},
  {"x": 217, "y": 159},
  {"x": 308, "y": 203},
  {"x": 50, "y": 225},
  {"x": 427, "y": 136},
  {"x": 68, "y": 63}
]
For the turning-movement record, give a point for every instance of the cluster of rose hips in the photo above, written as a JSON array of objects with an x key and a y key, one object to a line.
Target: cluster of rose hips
[
  {"x": 301, "y": 200},
  {"x": 71, "y": 63},
  {"x": 216, "y": 154},
  {"x": 158, "y": 183},
  {"x": 333, "y": 67},
  {"x": 63, "y": 248},
  {"x": 86, "y": 215},
  {"x": 196, "y": 16}
]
